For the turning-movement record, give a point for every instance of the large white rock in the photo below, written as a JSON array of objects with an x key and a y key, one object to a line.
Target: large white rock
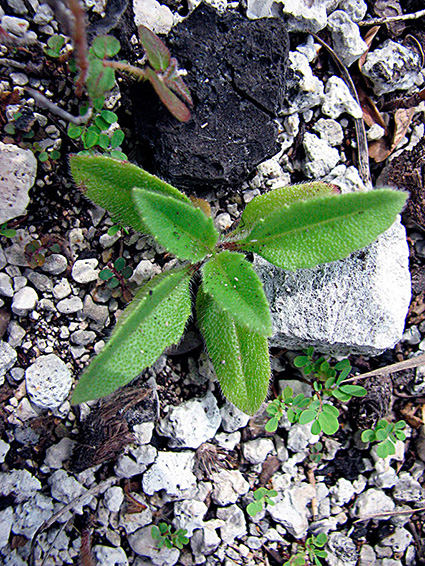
[
  {"x": 153, "y": 15},
  {"x": 18, "y": 168},
  {"x": 355, "y": 305},
  {"x": 48, "y": 381},
  {"x": 192, "y": 423}
]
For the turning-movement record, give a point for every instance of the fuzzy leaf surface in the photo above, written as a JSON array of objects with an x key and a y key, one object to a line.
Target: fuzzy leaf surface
[
  {"x": 240, "y": 357},
  {"x": 233, "y": 283},
  {"x": 154, "y": 320},
  {"x": 109, "y": 183},
  {"x": 177, "y": 108},
  {"x": 323, "y": 229},
  {"x": 156, "y": 50},
  {"x": 181, "y": 228},
  {"x": 264, "y": 205}
]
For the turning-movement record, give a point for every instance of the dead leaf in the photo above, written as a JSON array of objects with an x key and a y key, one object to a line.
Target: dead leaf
[
  {"x": 202, "y": 204},
  {"x": 402, "y": 119},
  {"x": 368, "y": 38},
  {"x": 371, "y": 114},
  {"x": 408, "y": 413},
  {"x": 389, "y": 9},
  {"x": 379, "y": 150}
]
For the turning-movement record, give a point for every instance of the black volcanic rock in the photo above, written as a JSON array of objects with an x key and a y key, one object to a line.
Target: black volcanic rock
[{"x": 237, "y": 78}]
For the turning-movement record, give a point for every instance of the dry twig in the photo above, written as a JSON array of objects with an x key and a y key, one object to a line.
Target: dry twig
[
  {"x": 386, "y": 370},
  {"x": 404, "y": 17}
]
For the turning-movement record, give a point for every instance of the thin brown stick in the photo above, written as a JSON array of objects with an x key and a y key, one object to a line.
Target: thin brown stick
[
  {"x": 312, "y": 481},
  {"x": 54, "y": 109},
  {"x": 391, "y": 514},
  {"x": 387, "y": 370},
  {"x": 404, "y": 17},
  {"x": 126, "y": 68},
  {"x": 362, "y": 152},
  {"x": 80, "y": 44}
]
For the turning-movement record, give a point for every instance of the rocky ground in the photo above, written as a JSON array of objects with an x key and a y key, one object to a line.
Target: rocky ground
[{"x": 84, "y": 485}]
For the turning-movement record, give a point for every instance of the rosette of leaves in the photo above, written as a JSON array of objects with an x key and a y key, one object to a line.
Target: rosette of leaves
[
  {"x": 312, "y": 552},
  {"x": 115, "y": 277},
  {"x": 308, "y": 225},
  {"x": 326, "y": 381},
  {"x": 166, "y": 536},
  {"x": 386, "y": 435},
  {"x": 36, "y": 251},
  {"x": 262, "y": 495}
]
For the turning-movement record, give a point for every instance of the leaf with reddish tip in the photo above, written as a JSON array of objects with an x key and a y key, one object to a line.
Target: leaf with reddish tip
[
  {"x": 177, "y": 108},
  {"x": 156, "y": 50}
]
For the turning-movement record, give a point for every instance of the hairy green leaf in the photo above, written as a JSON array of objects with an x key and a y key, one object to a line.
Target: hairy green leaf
[
  {"x": 177, "y": 108},
  {"x": 263, "y": 205},
  {"x": 231, "y": 280},
  {"x": 181, "y": 228},
  {"x": 323, "y": 229},
  {"x": 240, "y": 357},
  {"x": 105, "y": 46},
  {"x": 109, "y": 183},
  {"x": 154, "y": 320},
  {"x": 100, "y": 78},
  {"x": 156, "y": 50}
]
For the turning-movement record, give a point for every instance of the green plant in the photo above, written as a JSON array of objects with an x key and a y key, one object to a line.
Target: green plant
[
  {"x": 54, "y": 46},
  {"x": 292, "y": 227},
  {"x": 262, "y": 495},
  {"x": 386, "y": 435},
  {"x": 7, "y": 232},
  {"x": 165, "y": 536},
  {"x": 161, "y": 71},
  {"x": 315, "y": 452},
  {"x": 115, "y": 276},
  {"x": 36, "y": 250},
  {"x": 100, "y": 132},
  {"x": 325, "y": 383},
  {"x": 312, "y": 551}
]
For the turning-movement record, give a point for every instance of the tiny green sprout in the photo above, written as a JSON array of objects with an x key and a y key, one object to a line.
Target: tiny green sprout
[
  {"x": 166, "y": 536},
  {"x": 116, "y": 228},
  {"x": 7, "y": 232},
  {"x": 262, "y": 495},
  {"x": 54, "y": 46},
  {"x": 35, "y": 251},
  {"x": 115, "y": 276},
  {"x": 292, "y": 227},
  {"x": 315, "y": 454},
  {"x": 326, "y": 381},
  {"x": 386, "y": 435},
  {"x": 312, "y": 551}
]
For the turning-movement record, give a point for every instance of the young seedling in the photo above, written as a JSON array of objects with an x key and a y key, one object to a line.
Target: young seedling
[
  {"x": 54, "y": 46},
  {"x": 312, "y": 551},
  {"x": 161, "y": 71},
  {"x": 165, "y": 536},
  {"x": 36, "y": 250},
  {"x": 7, "y": 232},
  {"x": 386, "y": 435},
  {"x": 116, "y": 275},
  {"x": 325, "y": 383},
  {"x": 293, "y": 227},
  {"x": 262, "y": 495}
]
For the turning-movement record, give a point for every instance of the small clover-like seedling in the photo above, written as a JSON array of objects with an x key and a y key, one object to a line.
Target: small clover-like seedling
[
  {"x": 37, "y": 250},
  {"x": 54, "y": 46},
  {"x": 312, "y": 552},
  {"x": 293, "y": 227},
  {"x": 116, "y": 275},
  {"x": 166, "y": 536},
  {"x": 262, "y": 496},
  {"x": 7, "y": 232},
  {"x": 386, "y": 435},
  {"x": 326, "y": 381},
  {"x": 100, "y": 133}
]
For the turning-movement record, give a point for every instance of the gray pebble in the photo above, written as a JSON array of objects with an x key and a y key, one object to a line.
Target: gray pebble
[
  {"x": 55, "y": 264},
  {"x": 17, "y": 26},
  {"x": 6, "y": 288},
  {"x": 69, "y": 306},
  {"x": 83, "y": 337},
  {"x": 84, "y": 270},
  {"x": 40, "y": 281},
  {"x": 62, "y": 289},
  {"x": 24, "y": 301}
]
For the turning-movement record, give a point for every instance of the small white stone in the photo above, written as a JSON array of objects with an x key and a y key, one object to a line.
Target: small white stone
[
  {"x": 69, "y": 306},
  {"x": 153, "y": 15},
  {"x": 84, "y": 270},
  {"x": 24, "y": 301},
  {"x": 62, "y": 289},
  {"x": 18, "y": 169},
  {"x": 17, "y": 26},
  {"x": 113, "y": 498}
]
